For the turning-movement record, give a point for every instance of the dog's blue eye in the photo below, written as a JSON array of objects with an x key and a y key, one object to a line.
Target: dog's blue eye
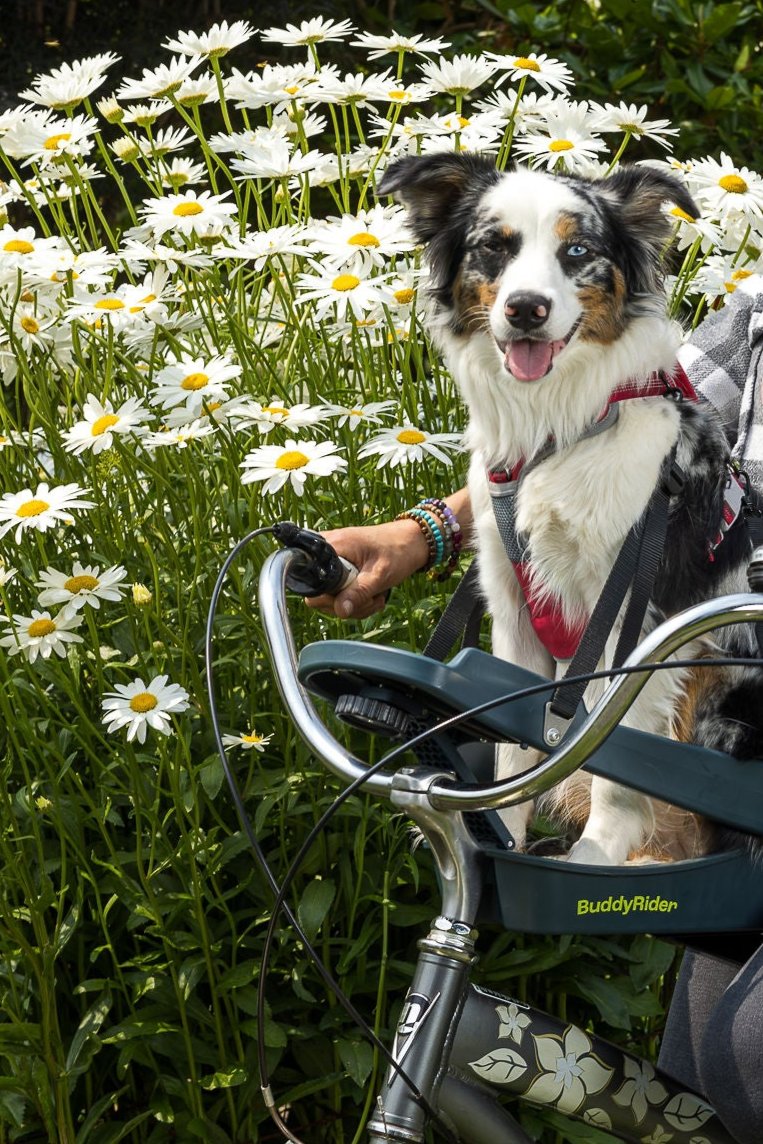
[{"x": 577, "y": 250}]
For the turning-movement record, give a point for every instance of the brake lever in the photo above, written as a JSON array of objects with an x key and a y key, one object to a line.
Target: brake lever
[{"x": 321, "y": 571}]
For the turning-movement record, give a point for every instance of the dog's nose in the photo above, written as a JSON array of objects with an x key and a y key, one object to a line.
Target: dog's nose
[{"x": 526, "y": 311}]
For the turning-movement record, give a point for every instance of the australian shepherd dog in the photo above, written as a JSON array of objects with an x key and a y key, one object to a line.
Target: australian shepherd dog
[{"x": 548, "y": 304}]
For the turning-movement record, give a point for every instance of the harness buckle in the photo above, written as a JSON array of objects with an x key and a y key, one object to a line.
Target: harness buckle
[{"x": 675, "y": 479}]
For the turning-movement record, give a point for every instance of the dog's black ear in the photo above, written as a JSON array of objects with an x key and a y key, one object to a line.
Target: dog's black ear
[
  {"x": 640, "y": 193},
  {"x": 435, "y": 187}
]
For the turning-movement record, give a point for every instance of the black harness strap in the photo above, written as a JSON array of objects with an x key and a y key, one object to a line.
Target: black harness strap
[
  {"x": 463, "y": 613},
  {"x": 636, "y": 568}
]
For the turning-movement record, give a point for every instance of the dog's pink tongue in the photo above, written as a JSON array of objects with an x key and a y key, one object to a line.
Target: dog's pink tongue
[{"x": 528, "y": 360}]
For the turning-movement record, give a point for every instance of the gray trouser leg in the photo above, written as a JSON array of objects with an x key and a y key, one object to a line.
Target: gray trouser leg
[{"x": 713, "y": 1040}]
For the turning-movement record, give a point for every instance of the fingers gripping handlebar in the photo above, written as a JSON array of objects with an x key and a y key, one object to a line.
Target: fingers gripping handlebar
[{"x": 577, "y": 747}]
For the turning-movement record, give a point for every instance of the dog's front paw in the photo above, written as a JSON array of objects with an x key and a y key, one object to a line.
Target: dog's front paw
[{"x": 593, "y": 852}]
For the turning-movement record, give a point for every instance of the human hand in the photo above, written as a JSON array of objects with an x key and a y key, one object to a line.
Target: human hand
[{"x": 384, "y": 554}]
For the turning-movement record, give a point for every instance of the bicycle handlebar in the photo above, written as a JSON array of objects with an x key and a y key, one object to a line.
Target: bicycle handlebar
[{"x": 666, "y": 639}]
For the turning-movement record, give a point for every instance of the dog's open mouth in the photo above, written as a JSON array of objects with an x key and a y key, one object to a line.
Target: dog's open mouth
[{"x": 530, "y": 359}]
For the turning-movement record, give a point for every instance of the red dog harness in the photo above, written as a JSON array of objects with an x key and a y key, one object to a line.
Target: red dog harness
[{"x": 556, "y": 634}]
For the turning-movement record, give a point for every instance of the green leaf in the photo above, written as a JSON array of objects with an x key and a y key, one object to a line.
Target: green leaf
[
  {"x": 358, "y": 1059},
  {"x": 84, "y": 1043},
  {"x": 314, "y": 905}
]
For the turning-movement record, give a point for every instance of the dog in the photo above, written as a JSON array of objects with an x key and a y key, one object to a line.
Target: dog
[{"x": 547, "y": 300}]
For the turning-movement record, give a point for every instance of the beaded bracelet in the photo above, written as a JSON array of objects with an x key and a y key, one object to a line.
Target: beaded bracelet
[{"x": 440, "y": 528}]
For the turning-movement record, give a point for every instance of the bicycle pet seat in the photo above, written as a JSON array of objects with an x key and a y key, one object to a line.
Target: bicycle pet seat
[{"x": 397, "y": 693}]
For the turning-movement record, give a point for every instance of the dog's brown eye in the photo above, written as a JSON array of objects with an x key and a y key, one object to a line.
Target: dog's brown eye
[{"x": 494, "y": 245}]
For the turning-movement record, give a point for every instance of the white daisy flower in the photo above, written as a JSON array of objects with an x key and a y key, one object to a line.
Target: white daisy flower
[
  {"x": 31, "y": 329},
  {"x": 292, "y": 463},
  {"x": 727, "y": 189},
  {"x": 70, "y": 83},
  {"x": 277, "y": 412},
  {"x": 262, "y": 245},
  {"x": 345, "y": 291},
  {"x": 138, "y": 706},
  {"x": 180, "y": 172},
  {"x": 187, "y": 213},
  {"x": 632, "y": 120},
  {"x": 146, "y": 114},
  {"x": 71, "y": 137},
  {"x": 550, "y": 74},
  {"x": 249, "y": 741},
  {"x": 198, "y": 90},
  {"x": 278, "y": 161},
  {"x": 135, "y": 254},
  {"x": 128, "y": 304},
  {"x": 161, "y": 81},
  {"x": 358, "y": 88},
  {"x": 721, "y": 275},
  {"x": 41, "y": 509},
  {"x": 314, "y": 31},
  {"x": 359, "y": 413},
  {"x": 275, "y": 86},
  {"x": 567, "y": 136},
  {"x": 480, "y": 132},
  {"x": 192, "y": 382},
  {"x": 18, "y": 243},
  {"x": 405, "y": 443},
  {"x": 165, "y": 140},
  {"x": 398, "y": 93},
  {"x": 86, "y": 585},
  {"x": 102, "y": 422},
  {"x": 457, "y": 76},
  {"x": 215, "y": 42},
  {"x": 179, "y": 435},
  {"x": 397, "y": 43},
  {"x": 41, "y": 634},
  {"x": 367, "y": 238}
]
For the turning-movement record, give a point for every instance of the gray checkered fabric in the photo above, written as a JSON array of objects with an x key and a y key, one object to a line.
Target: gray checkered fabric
[{"x": 724, "y": 361}]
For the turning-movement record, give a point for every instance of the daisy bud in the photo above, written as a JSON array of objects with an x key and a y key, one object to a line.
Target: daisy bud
[{"x": 141, "y": 595}]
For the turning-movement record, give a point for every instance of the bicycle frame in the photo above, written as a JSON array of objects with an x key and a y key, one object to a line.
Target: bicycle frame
[{"x": 458, "y": 1043}]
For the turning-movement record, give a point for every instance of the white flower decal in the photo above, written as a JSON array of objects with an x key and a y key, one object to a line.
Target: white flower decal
[
  {"x": 512, "y": 1021},
  {"x": 570, "y": 1070},
  {"x": 639, "y": 1089}
]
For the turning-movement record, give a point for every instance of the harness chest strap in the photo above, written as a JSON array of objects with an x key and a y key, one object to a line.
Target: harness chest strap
[{"x": 558, "y": 636}]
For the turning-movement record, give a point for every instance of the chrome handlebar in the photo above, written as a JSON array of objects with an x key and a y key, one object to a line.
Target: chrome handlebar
[{"x": 572, "y": 754}]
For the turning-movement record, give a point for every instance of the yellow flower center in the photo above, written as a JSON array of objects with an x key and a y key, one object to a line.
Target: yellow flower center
[
  {"x": 194, "y": 381},
  {"x": 363, "y": 238},
  {"x": 356, "y": 413},
  {"x": 251, "y": 738},
  {"x": 103, "y": 423},
  {"x": 292, "y": 89},
  {"x": 32, "y": 508},
  {"x": 142, "y": 702},
  {"x": 463, "y": 122},
  {"x": 397, "y": 94},
  {"x": 678, "y": 213},
  {"x": 292, "y": 459},
  {"x": 404, "y": 296},
  {"x": 53, "y": 142},
  {"x": 739, "y": 275},
  {"x": 40, "y": 628},
  {"x": 734, "y": 184},
  {"x": 560, "y": 145},
  {"x": 80, "y": 584},
  {"x": 29, "y": 325},
  {"x": 275, "y": 410},
  {"x": 184, "y": 210},
  {"x": 110, "y": 304},
  {"x": 528, "y": 65},
  {"x": 19, "y": 246},
  {"x": 411, "y": 437},
  {"x": 345, "y": 282}
]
